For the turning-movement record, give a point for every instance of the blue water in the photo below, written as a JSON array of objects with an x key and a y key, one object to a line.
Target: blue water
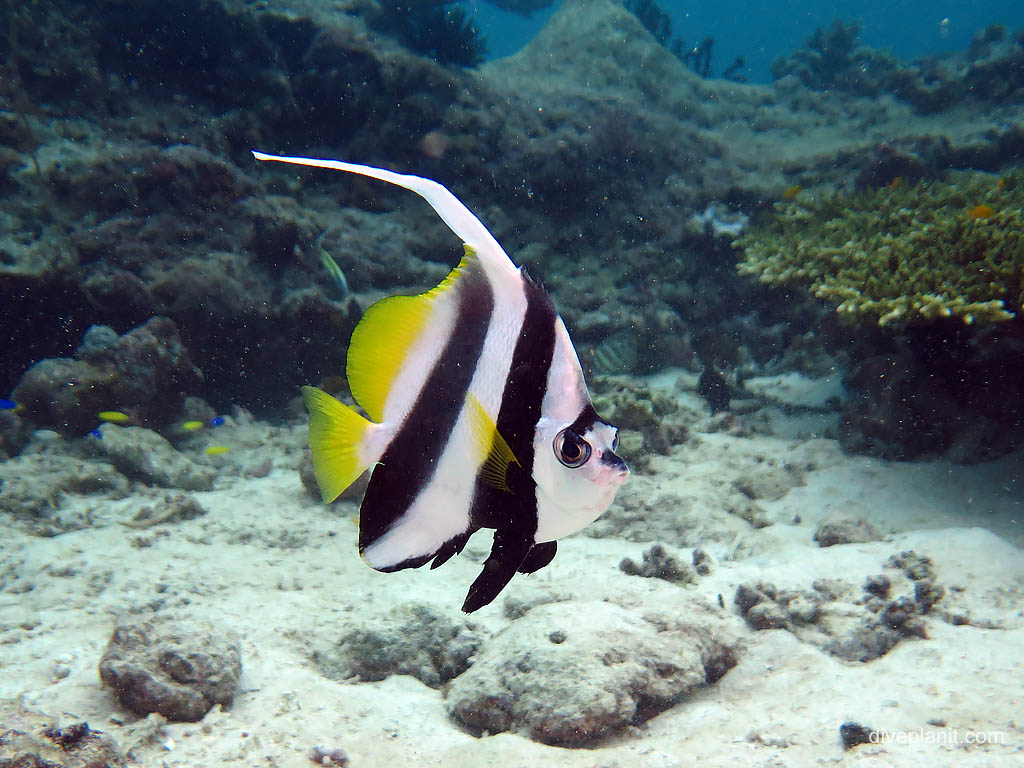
[{"x": 763, "y": 31}]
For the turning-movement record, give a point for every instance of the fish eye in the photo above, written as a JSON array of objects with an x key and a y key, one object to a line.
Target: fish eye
[{"x": 571, "y": 449}]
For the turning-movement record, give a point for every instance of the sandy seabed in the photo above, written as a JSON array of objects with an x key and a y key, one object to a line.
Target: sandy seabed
[{"x": 282, "y": 572}]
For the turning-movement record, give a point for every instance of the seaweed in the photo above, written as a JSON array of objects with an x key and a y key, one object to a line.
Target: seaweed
[{"x": 434, "y": 28}]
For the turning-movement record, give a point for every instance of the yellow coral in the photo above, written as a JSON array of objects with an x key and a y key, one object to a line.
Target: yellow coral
[{"x": 904, "y": 255}]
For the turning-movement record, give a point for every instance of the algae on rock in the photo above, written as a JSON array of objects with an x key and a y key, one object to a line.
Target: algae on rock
[{"x": 904, "y": 254}]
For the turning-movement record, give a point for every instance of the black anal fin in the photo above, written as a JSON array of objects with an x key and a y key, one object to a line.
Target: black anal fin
[
  {"x": 450, "y": 548},
  {"x": 507, "y": 554},
  {"x": 538, "y": 557}
]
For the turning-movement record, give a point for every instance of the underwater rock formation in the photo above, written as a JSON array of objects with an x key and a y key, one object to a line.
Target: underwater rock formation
[
  {"x": 989, "y": 70},
  {"x": 145, "y": 373},
  {"x": 33, "y": 740},
  {"x": 570, "y": 684},
  {"x": 834, "y": 618},
  {"x": 413, "y": 639},
  {"x": 143, "y": 455},
  {"x": 179, "y": 671},
  {"x": 37, "y": 485}
]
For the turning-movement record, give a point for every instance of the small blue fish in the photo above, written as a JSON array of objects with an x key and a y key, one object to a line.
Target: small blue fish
[
  {"x": 216, "y": 421},
  {"x": 7, "y": 405},
  {"x": 96, "y": 433}
]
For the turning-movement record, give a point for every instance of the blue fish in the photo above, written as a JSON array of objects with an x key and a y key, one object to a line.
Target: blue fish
[
  {"x": 216, "y": 421},
  {"x": 7, "y": 405},
  {"x": 96, "y": 433}
]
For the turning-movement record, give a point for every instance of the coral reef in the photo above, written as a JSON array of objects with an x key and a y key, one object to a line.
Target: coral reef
[
  {"x": 989, "y": 70},
  {"x": 437, "y": 28},
  {"x": 902, "y": 254}
]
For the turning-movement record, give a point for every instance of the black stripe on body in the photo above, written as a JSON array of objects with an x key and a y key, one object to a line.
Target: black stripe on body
[
  {"x": 518, "y": 415},
  {"x": 412, "y": 457}
]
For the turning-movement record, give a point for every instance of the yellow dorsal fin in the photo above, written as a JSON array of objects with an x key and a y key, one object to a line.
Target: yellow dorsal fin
[
  {"x": 383, "y": 338},
  {"x": 335, "y": 436},
  {"x": 490, "y": 445}
]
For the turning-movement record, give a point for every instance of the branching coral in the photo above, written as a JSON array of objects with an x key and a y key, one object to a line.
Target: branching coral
[{"x": 903, "y": 254}]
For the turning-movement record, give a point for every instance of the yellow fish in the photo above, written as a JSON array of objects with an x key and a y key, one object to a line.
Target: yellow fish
[
  {"x": 192, "y": 426},
  {"x": 981, "y": 211},
  {"x": 790, "y": 193},
  {"x": 115, "y": 417},
  {"x": 216, "y": 450}
]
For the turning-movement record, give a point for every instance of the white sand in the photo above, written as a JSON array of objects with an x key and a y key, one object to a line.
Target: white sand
[{"x": 782, "y": 704}]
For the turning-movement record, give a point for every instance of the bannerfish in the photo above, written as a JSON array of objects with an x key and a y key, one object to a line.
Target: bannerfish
[{"x": 479, "y": 416}]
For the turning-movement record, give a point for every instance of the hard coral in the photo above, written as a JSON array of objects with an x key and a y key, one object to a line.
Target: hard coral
[{"x": 903, "y": 254}]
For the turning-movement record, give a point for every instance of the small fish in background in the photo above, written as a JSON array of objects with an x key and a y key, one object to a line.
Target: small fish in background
[
  {"x": 333, "y": 270},
  {"x": 714, "y": 389},
  {"x": 216, "y": 421},
  {"x": 217, "y": 450},
  {"x": 96, "y": 434},
  {"x": 982, "y": 211},
  {"x": 8, "y": 405},
  {"x": 1000, "y": 185},
  {"x": 114, "y": 417},
  {"x": 945, "y": 28},
  {"x": 480, "y": 415},
  {"x": 791, "y": 192},
  {"x": 616, "y": 355},
  {"x": 896, "y": 182},
  {"x": 193, "y": 426}
]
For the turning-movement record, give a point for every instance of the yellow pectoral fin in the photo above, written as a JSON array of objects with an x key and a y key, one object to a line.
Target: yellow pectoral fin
[
  {"x": 490, "y": 445},
  {"x": 335, "y": 435}
]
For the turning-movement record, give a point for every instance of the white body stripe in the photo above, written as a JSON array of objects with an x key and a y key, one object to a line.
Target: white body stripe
[{"x": 441, "y": 510}]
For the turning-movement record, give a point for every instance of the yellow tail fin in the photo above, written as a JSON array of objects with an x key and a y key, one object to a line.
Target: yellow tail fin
[{"x": 335, "y": 435}]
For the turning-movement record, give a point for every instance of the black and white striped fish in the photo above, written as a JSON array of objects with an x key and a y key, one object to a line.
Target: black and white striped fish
[{"x": 479, "y": 415}]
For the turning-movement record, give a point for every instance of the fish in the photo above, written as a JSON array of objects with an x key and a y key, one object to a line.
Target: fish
[
  {"x": 216, "y": 421},
  {"x": 95, "y": 433},
  {"x": 617, "y": 354},
  {"x": 7, "y": 405},
  {"x": 192, "y": 426},
  {"x": 216, "y": 450},
  {"x": 478, "y": 415},
  {"x": 114, "y": 417},
  {"x": 982, "y": 211},
  {"x": 791, "y": 192},
  {"x": 334, "y": 270},
  {"x": 896, "y": 182},
  {"x": 1000, "y": 184}
]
